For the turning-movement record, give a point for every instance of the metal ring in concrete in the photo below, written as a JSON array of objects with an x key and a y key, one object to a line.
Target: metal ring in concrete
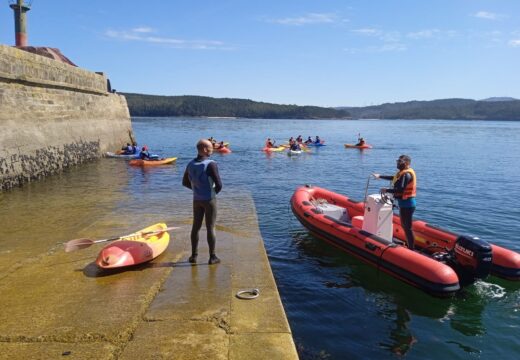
[{"x": 248, "y": 294}]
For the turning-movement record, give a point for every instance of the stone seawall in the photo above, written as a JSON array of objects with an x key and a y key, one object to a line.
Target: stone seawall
[{"x": 53, "y": 115}]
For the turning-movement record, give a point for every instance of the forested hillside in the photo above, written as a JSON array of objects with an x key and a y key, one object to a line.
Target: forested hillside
[
  {"x": 153, "y": 105},
  {"x": 489, "y": 109},
  {"x": 441, "y": 109}
]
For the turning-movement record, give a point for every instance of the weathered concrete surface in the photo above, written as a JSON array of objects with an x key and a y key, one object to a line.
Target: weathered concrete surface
[
  {"x": 166, "y": 309},
  {"x": 53, "y": 116}
]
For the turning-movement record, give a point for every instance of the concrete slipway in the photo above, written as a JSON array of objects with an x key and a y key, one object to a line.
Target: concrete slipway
[{"x": 58, "y": 305}]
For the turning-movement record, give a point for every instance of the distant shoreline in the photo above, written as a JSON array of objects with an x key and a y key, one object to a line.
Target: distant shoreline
[{"x": 214, "y": 108}]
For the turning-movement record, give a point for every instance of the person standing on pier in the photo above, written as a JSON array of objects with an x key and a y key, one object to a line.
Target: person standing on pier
[
  {"x": 202, "y": 177},
  {"x": 404, "y": 184}
]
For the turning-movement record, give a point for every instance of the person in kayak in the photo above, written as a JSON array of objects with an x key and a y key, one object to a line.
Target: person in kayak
[
  {"x": 145, "y": 155},
  {"x": 308, "y": 141},
  {"x": 202, "y": 177},
  {"x": 318, "y": 140},
  {"x": 299, "y": 139},
  {"x": 404, "y": 184},
  {"x": 134, "y": 148},
  {"x": 269, "y": 143},
  {"x": 291, "y": 141},
  {"x": 295, "y": 146},
  {"x": 128, "y": 149},
  {"x": 361, "y": 142}
]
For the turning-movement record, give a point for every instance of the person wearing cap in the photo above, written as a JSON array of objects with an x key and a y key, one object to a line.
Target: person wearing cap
[
  {"x": 144, "y": 154},
  {"x": 202, "y": 177},
  {"x": 404, "y": 189}
]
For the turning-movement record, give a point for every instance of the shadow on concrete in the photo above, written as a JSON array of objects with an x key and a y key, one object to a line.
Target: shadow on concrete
[{"x": 94, "y": 271}]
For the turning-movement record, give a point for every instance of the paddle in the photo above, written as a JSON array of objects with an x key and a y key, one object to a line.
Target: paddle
[{"x": 78, "y": 244}]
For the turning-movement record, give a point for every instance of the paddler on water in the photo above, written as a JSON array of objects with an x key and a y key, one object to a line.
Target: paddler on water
[
  {"x": 269, "y": 143},
  {"x": 295, "y": 146},
  {"x": 128, "y": 149},
  {"x": 202, "y": 177},
  {"x": 404, "y": 184},
  {"x": 361, "y": 142},
  {"x": 145, "y": 154}
]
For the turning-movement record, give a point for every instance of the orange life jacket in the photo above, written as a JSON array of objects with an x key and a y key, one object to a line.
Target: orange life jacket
[{"x": 411, "y": 189}]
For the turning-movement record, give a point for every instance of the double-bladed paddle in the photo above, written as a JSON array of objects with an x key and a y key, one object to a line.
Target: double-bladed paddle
[{"x": 78, "y": 244}]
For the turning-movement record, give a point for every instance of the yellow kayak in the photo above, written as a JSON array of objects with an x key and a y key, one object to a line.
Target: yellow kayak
[
  {"x": 139, "y": 162},
  {"x": 276, "y": 149}
]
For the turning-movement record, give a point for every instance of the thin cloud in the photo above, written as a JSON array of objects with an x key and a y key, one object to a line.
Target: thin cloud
[
  {"x": 385, "y": 48},
  {"x": 386, "y": 36},
  {"x": 431, "y": 34},
  {"x": 368, "y": 31},
  {"x": 423, "y": 34},
  {"x": 143, "y": 29},
  {"x": 309, "y": 19},
  {"x": 142, "y": 35},
  {"x": 514, "y": 43},
  {"x": 486, "y": 15}
]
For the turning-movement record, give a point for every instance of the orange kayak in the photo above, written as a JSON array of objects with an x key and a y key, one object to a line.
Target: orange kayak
[
  {"x": 223, "y": 150},
  {"x": 139, "y": 162},
  {"x": 133, "y": 250},
  {"x": 352, "y": 146}
]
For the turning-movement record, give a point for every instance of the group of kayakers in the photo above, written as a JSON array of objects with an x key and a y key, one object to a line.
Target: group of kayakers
[
  {"x": 216, "y": 144},
  {"x": 141, "y": 153},
  {"x": 129, "y": 149},
  {"x": 294, "y": 144}
]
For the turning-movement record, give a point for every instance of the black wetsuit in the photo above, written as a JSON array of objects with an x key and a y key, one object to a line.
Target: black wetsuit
[{"x": 204, "y": 202}]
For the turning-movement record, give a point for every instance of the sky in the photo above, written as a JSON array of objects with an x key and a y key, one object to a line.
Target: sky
[{"x": 304, "y": 52}]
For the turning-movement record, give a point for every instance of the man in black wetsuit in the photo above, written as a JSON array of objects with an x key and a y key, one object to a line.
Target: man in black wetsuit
[
  {"x": 202, "y": 177},
  {"x": 404, "y": 184}
]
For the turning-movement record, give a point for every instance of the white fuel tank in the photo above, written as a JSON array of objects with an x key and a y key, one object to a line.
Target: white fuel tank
[{"x": 378, "y": 217}]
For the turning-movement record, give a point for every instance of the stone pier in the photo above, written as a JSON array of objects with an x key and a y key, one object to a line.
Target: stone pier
[{"x": 58, "y": 305}]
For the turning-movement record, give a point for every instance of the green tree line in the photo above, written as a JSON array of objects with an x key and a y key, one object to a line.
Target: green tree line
[
  {"x": 153, "y": 105},
  {"x": 463, "y": 109}
]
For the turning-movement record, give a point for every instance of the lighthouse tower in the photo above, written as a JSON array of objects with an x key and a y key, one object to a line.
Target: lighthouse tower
[{"x": 20, "y": 8}]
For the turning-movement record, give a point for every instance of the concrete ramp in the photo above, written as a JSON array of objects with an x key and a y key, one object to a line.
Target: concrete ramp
[{"x": 61, "y": 305}]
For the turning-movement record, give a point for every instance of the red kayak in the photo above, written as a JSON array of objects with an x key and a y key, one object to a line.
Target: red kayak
[
  {"x": 134, "y": 249},
  {"x": 443, "y": 259}
]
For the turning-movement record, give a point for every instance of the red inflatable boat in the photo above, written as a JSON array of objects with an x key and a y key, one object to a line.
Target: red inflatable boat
[{"x": 441, "y": 263}]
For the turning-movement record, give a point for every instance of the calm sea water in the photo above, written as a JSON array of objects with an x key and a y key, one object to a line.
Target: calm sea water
[{"x": 338, "y": 307}]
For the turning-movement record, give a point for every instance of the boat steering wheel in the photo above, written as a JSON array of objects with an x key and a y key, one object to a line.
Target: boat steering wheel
[{"x": 387, "y": 199}]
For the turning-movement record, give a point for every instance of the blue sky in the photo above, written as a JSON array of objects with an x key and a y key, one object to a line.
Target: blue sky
[{"x": 320, "y": 52}]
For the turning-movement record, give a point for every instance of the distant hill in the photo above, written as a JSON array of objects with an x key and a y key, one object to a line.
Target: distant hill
[
  {"x": 464, "y": 109},
  {"x": 153, "y": 105},
  {"x": 504, "y": 98}
]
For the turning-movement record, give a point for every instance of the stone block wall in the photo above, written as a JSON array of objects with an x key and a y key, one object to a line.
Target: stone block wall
[{"x": 53, "y": 115}]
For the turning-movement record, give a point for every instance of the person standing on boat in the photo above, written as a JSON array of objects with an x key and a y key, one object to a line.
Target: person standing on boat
[
  {"x": 202, "y": 177},
  {"x": 404, "y": 184}
]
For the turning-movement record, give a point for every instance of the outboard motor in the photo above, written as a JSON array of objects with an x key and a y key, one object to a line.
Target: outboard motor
[{"x": 471, "y": 258}]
